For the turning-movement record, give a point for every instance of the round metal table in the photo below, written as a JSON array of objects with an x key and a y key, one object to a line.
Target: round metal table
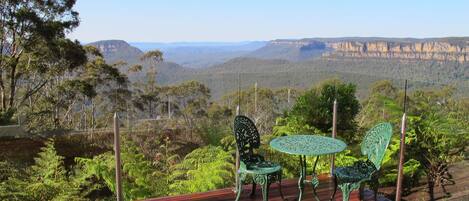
[{"x": 307, "y": 145}]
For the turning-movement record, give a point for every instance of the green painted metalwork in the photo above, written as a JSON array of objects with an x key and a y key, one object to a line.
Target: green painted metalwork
[
  {"x": 307, "y": 145},
  {"x": 262, "y": 172},
  {"x": 373, "y": 146}
]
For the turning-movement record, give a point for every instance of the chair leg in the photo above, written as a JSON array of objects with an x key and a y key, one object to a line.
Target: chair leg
[
  {"x": 253, "y": 191},
  {"x": 374, "y": 184},
  {"x": 240, "y": 186},
  {"x": 360, "y": 192},
  {"x": 347, "y": 188},
  {"x": 280, "y": 184},
  {"x": 265, "y": 191},
  {"x": 335, "y": 188},
  {"x": 345, "y": 194}
]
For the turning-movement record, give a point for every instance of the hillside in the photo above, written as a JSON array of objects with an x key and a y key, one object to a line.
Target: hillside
[
  {"x": 297, "y": 50},
  {"x": 200, "y": 54},
  {"x": 118, "y": 50},
  {"x": 431, "y": 49},
  {"x": 363, "y": 72},
  {"x": 302, "y": 62}
]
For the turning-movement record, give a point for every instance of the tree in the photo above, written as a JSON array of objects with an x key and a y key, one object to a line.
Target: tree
[
  {"x": 216, "y": 126},
  {"x": 315, "y": 107},
  {"x": 270, "y": 104},
  {"x": 385, "y": 104},
  {"x": 438, "y": 137},
  {"x": 149, "y": 96},
  {"x": 33, "y": 48},
  {"x": 65, "y": 99},
  {"x": 191, "y": 100}
]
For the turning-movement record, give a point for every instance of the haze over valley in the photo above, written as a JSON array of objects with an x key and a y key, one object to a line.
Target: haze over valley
[{"x": 302, "y": 62}]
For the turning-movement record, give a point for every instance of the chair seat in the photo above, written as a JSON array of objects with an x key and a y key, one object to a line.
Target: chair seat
[
  {"x": 262, "y": 167},
  {"x": 359, "y": 171}
]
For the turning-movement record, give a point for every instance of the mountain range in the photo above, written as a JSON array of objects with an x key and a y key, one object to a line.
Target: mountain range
[{"x": 299, "y": 63}]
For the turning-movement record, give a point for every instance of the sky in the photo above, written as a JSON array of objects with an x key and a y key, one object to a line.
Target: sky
[{"x": 260, "y": 20}]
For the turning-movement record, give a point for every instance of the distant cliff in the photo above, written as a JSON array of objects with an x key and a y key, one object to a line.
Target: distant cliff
[
  {"x": 437, "y": 50},
  {"x": 117, "y": 50}
]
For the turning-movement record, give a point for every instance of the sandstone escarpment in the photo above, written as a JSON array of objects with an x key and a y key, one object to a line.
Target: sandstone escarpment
[{"x": 422, "y": 50}]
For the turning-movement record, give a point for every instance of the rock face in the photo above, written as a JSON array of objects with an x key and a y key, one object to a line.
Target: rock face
[
  {"x": 438, "y": 50},
  {"x": 113, "y": 46},
  {"x": 117, "y": 50},
  {"x": 432, "y": 49}
]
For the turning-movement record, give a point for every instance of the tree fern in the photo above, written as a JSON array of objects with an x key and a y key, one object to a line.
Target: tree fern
[
  {"x": 203, "y": 169},
  {"x": 47, "y": 179},
  {"x": 141, "y": 179}
]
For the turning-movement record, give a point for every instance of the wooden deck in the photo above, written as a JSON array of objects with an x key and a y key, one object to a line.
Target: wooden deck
[{"x": 289, "y": 189}]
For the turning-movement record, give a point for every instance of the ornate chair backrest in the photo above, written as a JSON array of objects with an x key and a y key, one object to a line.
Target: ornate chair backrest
[
  {"x": 376, "y": 142},
  {"x": 247, "y": 137}
]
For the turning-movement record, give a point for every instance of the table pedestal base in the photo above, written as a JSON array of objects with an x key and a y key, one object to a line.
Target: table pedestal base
[{"x": 314, "y": 178}]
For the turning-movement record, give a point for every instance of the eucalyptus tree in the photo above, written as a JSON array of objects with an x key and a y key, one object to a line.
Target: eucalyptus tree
[
  {"x": 148, "y": 97},
  {"x": 65, "y": 101},
  {"x": 34, "y": 48},
  {"x": 191, "y": 101}
]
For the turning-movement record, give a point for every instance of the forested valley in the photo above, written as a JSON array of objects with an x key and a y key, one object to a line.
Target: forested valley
[{"x": 58, "y": 98}]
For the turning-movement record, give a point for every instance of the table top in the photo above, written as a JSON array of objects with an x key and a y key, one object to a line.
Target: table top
[{"x": 309, "y": 145}]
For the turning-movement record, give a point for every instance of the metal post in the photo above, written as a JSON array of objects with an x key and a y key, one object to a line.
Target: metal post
[
  {"x": 117, "y": 155},
  {"x": 288, "y": 95},
  {"x": 334, "y": 133},
  {"x": 238, "y": 112},
  {"x": 238, "y": 108},
  {"x": 400, "y": 174},
  {"x": 237, "y": 161}
]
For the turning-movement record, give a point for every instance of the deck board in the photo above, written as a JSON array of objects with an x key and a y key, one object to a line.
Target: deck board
[{"x": 289, "y": 189}]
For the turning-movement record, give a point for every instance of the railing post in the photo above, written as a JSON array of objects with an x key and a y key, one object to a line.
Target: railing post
[
  {"x": 400, "y": 173},
  {"x": 334, "y": 133},
  {"x": 117, "y": 156},
  {"x": 238, "y": 112},
  {"x": 237, "y": 158}
]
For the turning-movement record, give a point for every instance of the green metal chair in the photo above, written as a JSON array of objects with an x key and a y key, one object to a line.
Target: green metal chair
[
  {"x": 353, "y": 177},
  {"x": 262, "y": 172}
]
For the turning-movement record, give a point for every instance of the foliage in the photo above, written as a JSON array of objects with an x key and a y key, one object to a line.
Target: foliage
[
  {"x": 437, "y": 137},
  {"x": 264, "y": 108},
  {"x": 34, "y": 49},
  {"x": 216, "y": 125},
  {"x": 293, "y": 125},
  {"x": 203, "y": 169},
  {"x": 413, "y": 171},
  {"x": 95, "y": 82},
  {"x": 315, "y": 107},
  {"x": 138, "y": 172},
  {"x": 384, "y": 105},
  {"x": 47, "y": 179}
]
